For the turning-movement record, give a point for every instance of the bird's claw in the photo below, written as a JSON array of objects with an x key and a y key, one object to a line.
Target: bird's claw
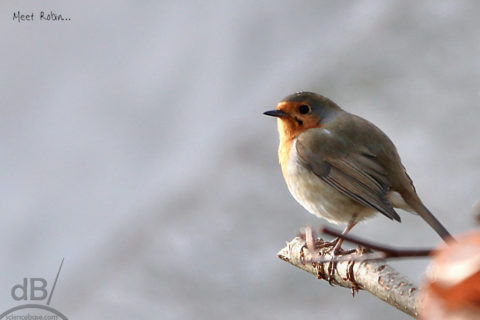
[
  {"x": 332, "y": 265},
  {"x": 351, "y": 277}
]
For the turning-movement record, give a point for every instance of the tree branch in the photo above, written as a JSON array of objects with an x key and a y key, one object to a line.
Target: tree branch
[{"x": 376, "y": 277}]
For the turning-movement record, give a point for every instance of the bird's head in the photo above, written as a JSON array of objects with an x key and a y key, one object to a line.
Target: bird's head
[{"x": 301, "y": 111}]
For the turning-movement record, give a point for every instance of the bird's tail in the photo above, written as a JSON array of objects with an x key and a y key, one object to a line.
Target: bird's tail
[
  {"x": 435, "y": 224},
  {"x": 416, "y": 204}
]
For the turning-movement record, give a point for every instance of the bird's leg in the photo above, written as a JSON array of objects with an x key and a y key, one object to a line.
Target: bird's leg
[
  {"x": 337, "y": 249},
  {"x": 338, "y": 246}
]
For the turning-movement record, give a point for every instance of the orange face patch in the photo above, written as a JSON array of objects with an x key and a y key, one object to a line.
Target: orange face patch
[{"x": 295, "y": 122}]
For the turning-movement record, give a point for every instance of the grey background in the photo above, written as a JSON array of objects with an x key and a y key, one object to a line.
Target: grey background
[{"x": 132, "y": 144}]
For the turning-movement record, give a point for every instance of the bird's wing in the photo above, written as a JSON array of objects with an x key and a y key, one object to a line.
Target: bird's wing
[{"x": 358, "y": 175}]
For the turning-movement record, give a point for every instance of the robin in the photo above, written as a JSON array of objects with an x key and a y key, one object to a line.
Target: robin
[{"x": 341, "y": 167}]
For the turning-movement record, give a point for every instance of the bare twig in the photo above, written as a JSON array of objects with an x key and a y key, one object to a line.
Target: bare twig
[
  {"x": 387, "y": 252},
  {"x": 375, "y": 277}
]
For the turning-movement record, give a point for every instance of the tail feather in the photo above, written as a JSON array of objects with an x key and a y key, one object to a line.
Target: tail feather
[
  {"x": 416, "y": 204},
  {"x": 434, "y": 223}
]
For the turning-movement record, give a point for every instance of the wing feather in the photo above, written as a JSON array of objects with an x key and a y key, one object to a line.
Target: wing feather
[{"x": 358, "y": 175}]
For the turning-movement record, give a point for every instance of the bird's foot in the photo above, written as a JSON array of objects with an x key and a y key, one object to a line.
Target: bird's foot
[
  {"x": 350, "y": 274},
  {"x": 319, "y": 247},
  {"x": 336, "y": 252},
  {"x": 320, "y": 244},
  {"x": 351, "y": 277}
]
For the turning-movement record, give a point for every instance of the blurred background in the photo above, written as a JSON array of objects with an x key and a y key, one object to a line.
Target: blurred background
[{"x": 133, "y": 145}]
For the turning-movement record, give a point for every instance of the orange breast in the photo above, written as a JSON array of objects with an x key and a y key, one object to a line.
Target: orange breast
[
  {"x": 284, "y": 154},
  {"x": 286, "y": 139}
]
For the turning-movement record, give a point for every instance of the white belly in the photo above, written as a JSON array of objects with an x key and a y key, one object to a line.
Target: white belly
[{"x": 320, "y": 198}]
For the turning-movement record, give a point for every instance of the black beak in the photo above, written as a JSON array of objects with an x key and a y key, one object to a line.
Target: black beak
[{"x": 276, "y": 113}]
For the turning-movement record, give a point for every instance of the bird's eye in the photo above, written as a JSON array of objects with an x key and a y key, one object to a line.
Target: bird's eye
[{"x": 304, "y": 109}]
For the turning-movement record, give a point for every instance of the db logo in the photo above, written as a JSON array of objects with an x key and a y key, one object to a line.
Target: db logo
[
  {"x": 37, "y": 290},
  {"x": 33, "y": 290}
]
